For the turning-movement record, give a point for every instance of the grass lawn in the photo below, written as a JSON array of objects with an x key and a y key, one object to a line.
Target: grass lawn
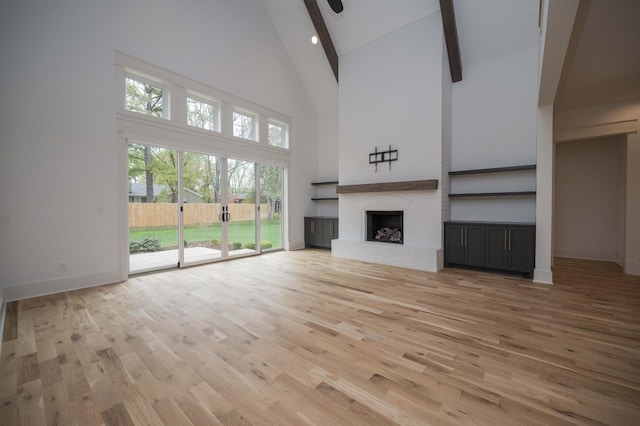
[{"x": 242, "y": 232}]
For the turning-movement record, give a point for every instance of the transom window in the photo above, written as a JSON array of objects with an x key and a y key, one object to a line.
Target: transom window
[
  {"x": 278, "y": 134},
  {"x": 244, "y": 125},
  {"x": 203, "y": 114},
  {"x": 145, "y": 97},
  {"x": 147, "y": 93}
]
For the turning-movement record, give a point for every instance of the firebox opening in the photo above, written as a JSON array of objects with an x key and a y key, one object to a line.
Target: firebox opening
[{"x": 385, "y": 226}]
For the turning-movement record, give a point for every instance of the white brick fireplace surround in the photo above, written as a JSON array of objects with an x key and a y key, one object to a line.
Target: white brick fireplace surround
[{"x": 422, "y": 230}]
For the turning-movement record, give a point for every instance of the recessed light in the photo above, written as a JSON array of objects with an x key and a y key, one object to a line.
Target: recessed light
[{"x": 314, "y": 40}]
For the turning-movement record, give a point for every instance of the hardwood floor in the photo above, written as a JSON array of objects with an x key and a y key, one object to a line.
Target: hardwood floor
[{"x": 302, "y": 338}]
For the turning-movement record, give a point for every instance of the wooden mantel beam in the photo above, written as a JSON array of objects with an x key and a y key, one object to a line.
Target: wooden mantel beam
[
  {"x": 323, "y": 34},
  {"x": 451, "y": 38}
]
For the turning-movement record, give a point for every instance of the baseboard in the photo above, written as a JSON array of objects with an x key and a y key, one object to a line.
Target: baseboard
[
  {"x": 44, "y": 288},
  {"x": 296, "y": 245},
  {"x": 3, "y": 312},
  {"x": 586, "y": 255},
  {"x": 541, "y": 276}
]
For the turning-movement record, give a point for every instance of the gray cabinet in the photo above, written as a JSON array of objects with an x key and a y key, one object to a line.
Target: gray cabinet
[
  {"x": 319, "y": 231},
  {"x": 510, "y": 248},
  {"x": 498, "y": 246},
  {"x": 464, "y": 244}
]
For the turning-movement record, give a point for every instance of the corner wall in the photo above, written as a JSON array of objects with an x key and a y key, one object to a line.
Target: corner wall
[{"x": 622, "y": 119}]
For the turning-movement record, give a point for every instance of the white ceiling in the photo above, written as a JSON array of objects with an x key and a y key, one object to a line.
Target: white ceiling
[
  {"x": 363, "y": 21},
  {"x": 602, "y": 65}
]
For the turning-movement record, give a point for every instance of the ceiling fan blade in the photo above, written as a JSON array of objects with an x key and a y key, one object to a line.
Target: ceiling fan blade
[{"x": 336, "y": 5}]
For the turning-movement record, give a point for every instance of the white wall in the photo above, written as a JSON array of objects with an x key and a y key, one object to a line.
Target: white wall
[
  {"x": 494, "y": 125},
  {"x": 390, "y": 93},
  {"x": 59, "y": 152},
  {"x": 588, "y": 199}
]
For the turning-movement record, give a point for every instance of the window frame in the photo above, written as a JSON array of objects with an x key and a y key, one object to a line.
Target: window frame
[
  {"x": 206, "y": 100},
  {"x": 255, "y": 127},
  {"x": 166, "y": 94},
  {"x": 285, "y": 131}
]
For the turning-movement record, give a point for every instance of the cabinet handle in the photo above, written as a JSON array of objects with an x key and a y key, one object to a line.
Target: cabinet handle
[
  {"x": 505, "y": 240},
  {"x": 461, "y": 237},
  {"x": 331, "y": 229},
  {"x": 509, "y": 239},
  {"x": 313, "y": 230},
  {"x": 466, "y": 237}
]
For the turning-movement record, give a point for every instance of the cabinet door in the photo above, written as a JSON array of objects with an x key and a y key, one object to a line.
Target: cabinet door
[
  {"x": 334, "y": 229},
  {"x": 453, "y": 244},
  {"x": 496, "y": 247},
  {"x": 521, "y": 249},
  {"x": 329, "y": 232},
  {"x": 474, "y": 245},
  {"x": 313, "y": 232}
]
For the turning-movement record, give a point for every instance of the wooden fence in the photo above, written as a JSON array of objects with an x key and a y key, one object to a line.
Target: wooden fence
[{"x": 149, "y": 215}]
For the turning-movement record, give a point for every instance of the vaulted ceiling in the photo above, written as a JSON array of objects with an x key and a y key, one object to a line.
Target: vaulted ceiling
[{"x": 602, "y": 64}]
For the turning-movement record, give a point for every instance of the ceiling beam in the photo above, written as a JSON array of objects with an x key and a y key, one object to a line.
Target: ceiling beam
[
  {"x": 451, "y": 38},
  {"x": 323, "y": 34}
]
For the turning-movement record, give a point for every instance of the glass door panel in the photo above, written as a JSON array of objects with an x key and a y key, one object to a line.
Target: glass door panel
[
  {"x": 153, "y": 208},
  {"x": 271, "y": 191},
  {"x": 201, "y": 195},
  {"x": 241, "y": 202}
]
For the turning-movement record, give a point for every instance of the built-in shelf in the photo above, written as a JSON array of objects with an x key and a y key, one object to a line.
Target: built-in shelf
[
  {"x": 493, "y": 194},
  {"x": 412, "y": 185},
  {"x": 332, "y": 182},
  {"x": 331, "y": 197},
  {"x": 493, "y": 170}
]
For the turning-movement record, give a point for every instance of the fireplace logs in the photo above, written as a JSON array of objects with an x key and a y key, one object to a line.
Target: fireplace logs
[{"x": 388, "y": 234}]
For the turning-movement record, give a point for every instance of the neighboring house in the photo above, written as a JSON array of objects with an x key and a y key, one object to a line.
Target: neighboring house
[
  {"x": 138, "y": 193},
  {"x": 236, "y": 198}
]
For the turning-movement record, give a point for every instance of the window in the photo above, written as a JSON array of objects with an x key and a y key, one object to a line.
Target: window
[
  {"x": 203, "y": 114},
  {"x": 278, "y": 134},
  {"x": 145, "y": 97},
  {"x": 244, "y": 125}
]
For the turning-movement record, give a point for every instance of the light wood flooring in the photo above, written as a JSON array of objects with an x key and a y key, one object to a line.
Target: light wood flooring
[{"x": 302, "y": 338}]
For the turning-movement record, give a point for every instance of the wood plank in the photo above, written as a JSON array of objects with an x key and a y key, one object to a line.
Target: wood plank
[
  {"x": 304, "y": 338},
  {"x": 451, "y": 38},
  {"x": 323, "y": 34},
  {"x": 413, "y": 185}
]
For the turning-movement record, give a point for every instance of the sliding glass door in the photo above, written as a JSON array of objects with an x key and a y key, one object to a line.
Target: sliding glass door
[
  {"x": 187, "y": 208},
  {"x": 240, "y": 218},
  {"x": 153, "y": 207},
  {"x": 201, "y": 207},
  {"x": 271, "y": 180}
]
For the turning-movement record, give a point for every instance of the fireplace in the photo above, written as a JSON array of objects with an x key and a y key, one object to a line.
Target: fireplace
[{"x": 385, "y": 226}]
